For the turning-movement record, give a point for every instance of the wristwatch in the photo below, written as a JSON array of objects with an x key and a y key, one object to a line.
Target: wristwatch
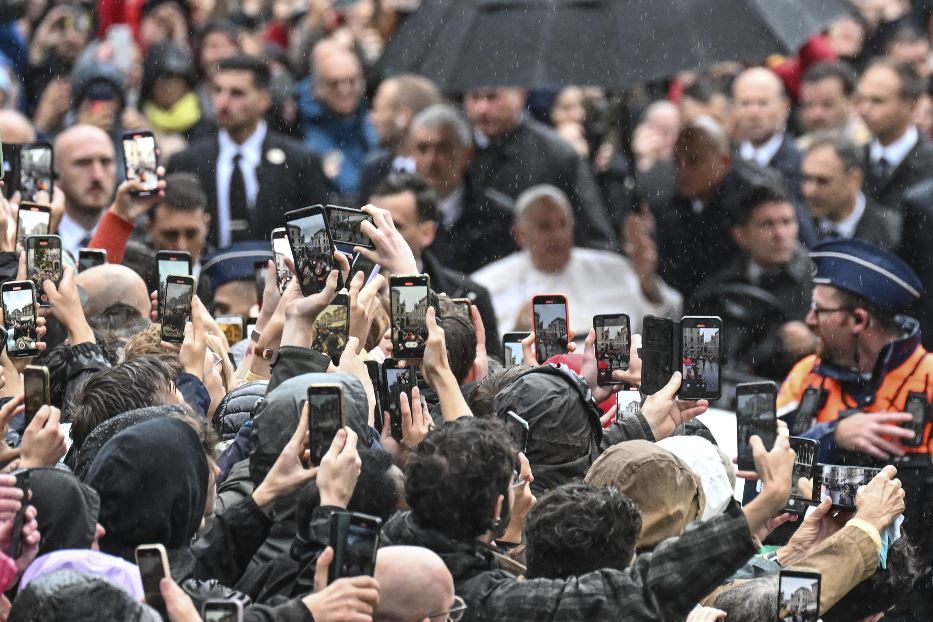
[{"x": 263, "y": 353}]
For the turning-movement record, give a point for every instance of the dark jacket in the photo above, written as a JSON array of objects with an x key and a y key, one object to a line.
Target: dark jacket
[
  {"x": 376, "y": 166},
  {"x": 692, "y": 245},
  {"x": 880, "y": 226},
  {"x": 787, "y": 161},
  {"x": 788, "y": 291},
  {"x": 66, "y": 509},
  {"x": 481, "y": 235},
  {"x": 67, "y": 595},
  {"x": 662, "y": 585},
  {"x": 915, "y": 250},
  {"x": 912, "y": 170},
  {"x": 296, "y": 181},
  {"x": 459, "y": 285},
  {"x": 236, "y": 408},
  {"x": 532, "y": 153}
]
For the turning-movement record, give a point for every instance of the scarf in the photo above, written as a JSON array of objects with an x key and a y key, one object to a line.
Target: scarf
[{"x": 181, "y": 116}]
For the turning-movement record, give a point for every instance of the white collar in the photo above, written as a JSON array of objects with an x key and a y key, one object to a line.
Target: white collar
[
  {"x": 894, "y": 153},
  {"x": 846, "y": 227},
  {"x": 250, "y": 150},
  {"x": 763, "y": 154}
]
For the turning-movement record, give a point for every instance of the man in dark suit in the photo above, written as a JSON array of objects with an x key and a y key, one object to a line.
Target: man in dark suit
[
  {"x": 251, "y": 175},
  {"x": 413, "y": 206},
  {"x": 474, "y": 223},
  {"x": 832, "y": 188},
  {"x": 915, "y": 250},
  {"x": 898, "y": 157},
  {"x": 514, "y": 153}
]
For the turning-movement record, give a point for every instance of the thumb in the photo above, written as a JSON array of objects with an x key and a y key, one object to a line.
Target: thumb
[
  {"x": 178, "y": 604},
  {"x": 608, "y": 417},
  {"x": 189, "y": 332},
  {"x": 669, "y": 390},
  {"x": 320, "y": 571}
]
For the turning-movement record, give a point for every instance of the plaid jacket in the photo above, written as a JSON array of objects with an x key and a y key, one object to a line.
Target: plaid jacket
[{"x": 662, "y": 585}]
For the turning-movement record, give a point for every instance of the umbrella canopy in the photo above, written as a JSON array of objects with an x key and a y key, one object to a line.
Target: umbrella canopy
[{"x": 463, "y": 44}]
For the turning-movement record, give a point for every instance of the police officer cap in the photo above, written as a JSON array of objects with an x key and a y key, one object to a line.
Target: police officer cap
[
  {"x": 237, "y": 262},
  {"x": 867, "y": 271}
]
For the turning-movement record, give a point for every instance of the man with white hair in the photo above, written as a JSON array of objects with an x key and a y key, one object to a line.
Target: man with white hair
[{"x": 594, "y": 281}]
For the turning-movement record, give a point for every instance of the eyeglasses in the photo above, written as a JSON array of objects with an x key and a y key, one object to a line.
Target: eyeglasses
[
  {"x": 817, "y": 310},
  {"x": 455, "y": 613}
]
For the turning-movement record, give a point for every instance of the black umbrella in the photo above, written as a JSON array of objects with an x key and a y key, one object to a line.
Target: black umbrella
[{"x": 462, "y": 44}]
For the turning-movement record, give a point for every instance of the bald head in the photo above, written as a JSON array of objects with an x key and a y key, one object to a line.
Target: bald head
[
  {"x": 109, "y": 284},
  {"x": 413, "y": 584},
  {"x": 759, "y": 105},
  {"x": 16, "y": 128},
  {"x": 84, "y": 161}
]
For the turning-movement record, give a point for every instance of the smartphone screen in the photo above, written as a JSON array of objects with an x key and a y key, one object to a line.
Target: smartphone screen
[
  {"x": 281, "y": 250},
  {"x": 804, "y": 464},
  {"x": 222, "y": 611},
  {"x": 550, "y": 325},
  {"x": 232, "y": 327},
  {"x": 35, "y": 172},
  {"x": 345, "y": 225},
  {"x": 841, "y": 483},
  {"x": 177, "y": 309},
  {"x": 31, "y": 220},
  {"x": 917, "y": 406},
  {"x": 798, "y": 596},
  {"x": 139, "y": 154},
  {"x": 152, "y": 562},
  {"x": 91, "y": 258},
  {"x": 44, "y": 262},
  {"x": 35, "y": 389},
  {"x": 755, "y": 414},
  {"x": 512, "y": 349},
  {"x": 397, "y": 380},
  {"x": 312, "y": 248},
  {"x": 700, "y": 353},
  {"x": 519, "y": 429},
  {"x": 325, "y": 412},
  {"x": 613, "y": 339},
  {"x": 171, "y": 263},
  {"x": 19, "y": 313},
  {"x": 22, "y": 482},
  {"x": 332, "y": 328},
  {"x": 355, "y": 538},
  {"x": 409, "y": 302}
]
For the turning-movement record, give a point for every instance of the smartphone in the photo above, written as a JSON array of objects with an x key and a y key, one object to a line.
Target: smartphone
[
  {"x": 512, "y": 348},
  {"x": 657, "y": 353},
  {"x": 395, "y": 381},
  {"x": 798, "y": 596},
  {"x": 250, "y": 325},
  {"x": 841, "y": 483},
  {"x": 409, "y": 297},
  {"x": 374, "y": 369},
  {"x": 141, "y": 160},
  {"x": 19, "y": 316},
  {"x": 259, "y": 272},
  {"x": 36, "y": 174},
  {"x": 31, "y": 219},
  {"x": 312, "y": 248},
  {"x": 613, "y": 339},
  {"x": 16, "y": 537},
  {"x": 755, "y": 414},
  {"x": 222, "y": 610},
  {"x": 325, "y": 418},
  {"x": 91, "y": 258},
  {"x": 345, "y": 225},
  {"x": 332, "y": 328},
  {"x": 233, "y": 327},
  {"x": 519, "y": 429},
  {"x": 462, "y": 305},
  {"x": 152, "y": 560},
  {"x": 807, "y": 450},
  {"x": 701, "y": 357},
  {"x": 550, "y": 325},
  {"x": 361, "y": 263},
  {"x": 917, "y": 405},
  {"x": 44, "y": 261},
  {"x": 179, "y": 291},
  {"x": 171, "y": 263},
  {"x": 281, "y": 250},
  {"x": 36, "y": 390},
  {"x": 355, "y": 538}
]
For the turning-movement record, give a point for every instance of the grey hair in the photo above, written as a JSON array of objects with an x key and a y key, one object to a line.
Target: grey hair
[
  {"x": 445, "y": 116},
  {"x": 749, "y": 601},
  {"x": 542, "y": 192}
]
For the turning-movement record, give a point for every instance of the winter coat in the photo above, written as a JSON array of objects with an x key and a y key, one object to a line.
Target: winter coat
[
  {"x": 66, "y": 509},
  {"x": 69, "y": 596}
]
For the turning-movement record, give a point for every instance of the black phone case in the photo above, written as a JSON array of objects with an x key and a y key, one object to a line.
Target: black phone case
[
  {"x": 919, "y": 402},
  {"x": 658, "y": 360}
]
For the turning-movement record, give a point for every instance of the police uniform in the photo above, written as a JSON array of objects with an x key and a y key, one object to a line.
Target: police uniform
[{"x": 817, "y": 394}]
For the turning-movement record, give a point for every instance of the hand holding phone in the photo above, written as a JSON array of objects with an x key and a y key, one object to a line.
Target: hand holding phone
[
  {"x": 701, "y": 357},
  {"x": 19, "y": 317},
  {"x": 141, "y": 161},
  {"x": 44, "y": 262},
  {"x": 179, "y": 292},
  {"x": 550, "y": 320},
  {"x": 756, "y": 414},
  {"x": 19, "y": 519},
  {"x": 613, "y": 339},
  {"x": 152, "y": 560},
  {"x": 36, "y": 390},
  {"x": 312, "y": 248},
  {"x": 355, "y": 539},
  {"x": 512, "y": 348},
  {"x": 798, "y": 596},
  {"x": 409, "y": 299},
  {"x": 325, "y": 418}
]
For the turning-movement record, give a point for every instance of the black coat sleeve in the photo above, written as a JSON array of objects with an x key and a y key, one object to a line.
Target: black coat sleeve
[
  {"x": 294, "y": 361},
  {"x": 224, "y": 551}
]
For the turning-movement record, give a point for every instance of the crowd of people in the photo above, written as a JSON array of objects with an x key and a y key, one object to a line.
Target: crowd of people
[{"x": 790, "y": 196}]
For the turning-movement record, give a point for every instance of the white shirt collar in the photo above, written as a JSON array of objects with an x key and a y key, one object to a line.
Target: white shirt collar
[
  {"x": 250, "y": 150},
  {"x": 763, "y": 154},
  {"x": 72, "y": 233},
  {"x": 846, "y": 227},
  {"x": 894, "y": 153}
]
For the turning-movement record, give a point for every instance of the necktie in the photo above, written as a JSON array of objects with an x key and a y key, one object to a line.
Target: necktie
[
  {"x": 239, "y": 209},
  {"x": 882, "y": 167}
]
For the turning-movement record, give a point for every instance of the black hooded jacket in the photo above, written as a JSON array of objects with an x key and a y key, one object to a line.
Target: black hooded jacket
[{"x": 66, "y": 509}]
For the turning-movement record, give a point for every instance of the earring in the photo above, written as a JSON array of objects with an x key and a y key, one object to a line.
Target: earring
[{"x": 496, "y": 522}]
